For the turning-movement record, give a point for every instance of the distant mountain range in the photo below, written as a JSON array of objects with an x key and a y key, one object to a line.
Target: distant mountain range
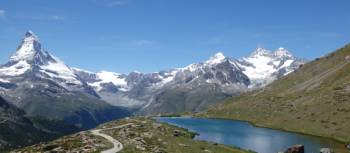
[
  {"x": 42, "y": 85},
  {"x": 42, "y": 95},
  {"x": 315, "y": 99},
  {"x": 194, "y": 87}
]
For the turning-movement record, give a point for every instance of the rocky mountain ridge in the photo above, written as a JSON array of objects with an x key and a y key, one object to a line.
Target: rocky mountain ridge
[
  {"x": 43, "y": 86},
  {"x": 31, "y": 69},
  {"x": 220, "y": 76}
]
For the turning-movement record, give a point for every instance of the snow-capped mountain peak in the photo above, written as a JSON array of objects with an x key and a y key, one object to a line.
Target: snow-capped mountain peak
[
  {"x": 30, "y": 34},
  {"x": 217, "y": 58},
  {"x": 282, "y": 52},
  {"x": 226, "y": 75},
  {"x": 31, "y": 58},
  {"x": 264, "y": 66},
  {"x": 33, "y": 66},
  {"x": 260, "y": 52},
  {"x": 28, "y": 49}
]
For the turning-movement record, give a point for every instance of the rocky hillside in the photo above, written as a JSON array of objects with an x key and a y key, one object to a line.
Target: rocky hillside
[
  {"x": 136, "y": 135},
  {"x": 314, "y": 99},
  {"x": 16, "y": 129}
]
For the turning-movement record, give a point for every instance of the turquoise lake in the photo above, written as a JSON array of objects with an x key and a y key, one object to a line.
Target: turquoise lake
[{"x": 246, "y": 136}]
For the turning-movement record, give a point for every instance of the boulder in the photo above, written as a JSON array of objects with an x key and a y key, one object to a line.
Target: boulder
[
  {"x": 325, "y": 150},
  {"x": 176, "y": 133},
  {"x": 296, "y": 149}
]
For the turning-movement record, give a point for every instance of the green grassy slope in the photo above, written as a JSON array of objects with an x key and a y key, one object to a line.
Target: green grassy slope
[
  {"x": 315, "y": 100},
  {"x": 140, "y": 135},
  {"x": 159, "y": 137}
]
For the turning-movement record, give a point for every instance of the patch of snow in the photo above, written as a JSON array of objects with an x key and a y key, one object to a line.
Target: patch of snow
[
  {"x": 17, "y": 69},
  {"x": 167, "y": 78},
  {"x": 235, "y": 64},
  {"x": 191, "y": 67},
  {"x": 110, "y": 77},
  {"x": 260, "y": 52},
  {"x": 209, "y": 81},
  {"x": 276, "y": 63},
  {"x": 281, "y": 52},
  {"x": 124, "y": 89},
  {"x": 4, "y": 81},
  {"x": 81, "y": 70},
  {"x": 287, "y": 63},
  {"x": 115, "y": 78},
  {"x": 288, "y": 72},
  {"x": 217, "y": 58},
  {"x": 261, "y": 68},
  {"x": 57, "y": 69}
]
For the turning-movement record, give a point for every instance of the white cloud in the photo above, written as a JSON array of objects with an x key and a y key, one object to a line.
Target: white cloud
[{"x": 2, "y": 13}]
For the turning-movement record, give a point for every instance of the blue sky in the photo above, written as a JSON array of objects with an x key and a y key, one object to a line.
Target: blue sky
[{"x": 153, "y": 35}]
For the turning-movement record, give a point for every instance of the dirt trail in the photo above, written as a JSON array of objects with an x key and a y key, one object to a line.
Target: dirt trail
[{"x": 117, "y": 146}]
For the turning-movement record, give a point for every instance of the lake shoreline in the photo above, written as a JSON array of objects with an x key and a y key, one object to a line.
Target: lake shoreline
[
  {"x": 342, "y": 142},
  {"x": 338, "y": 144}
]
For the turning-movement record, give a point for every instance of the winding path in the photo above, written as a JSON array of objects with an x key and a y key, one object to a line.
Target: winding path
[{"x": 117, "y": 146}]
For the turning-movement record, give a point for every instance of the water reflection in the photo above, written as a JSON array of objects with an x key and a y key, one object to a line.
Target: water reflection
[{"x": 244, "y": 135}]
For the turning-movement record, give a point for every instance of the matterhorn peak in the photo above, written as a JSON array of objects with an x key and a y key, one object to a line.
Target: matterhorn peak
[
  {"x": 30, "y": 37},
  {"x": 217, "y": 58},
  {"x": 29, "y": 47},
  {"x": 30, "y": 33}
]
